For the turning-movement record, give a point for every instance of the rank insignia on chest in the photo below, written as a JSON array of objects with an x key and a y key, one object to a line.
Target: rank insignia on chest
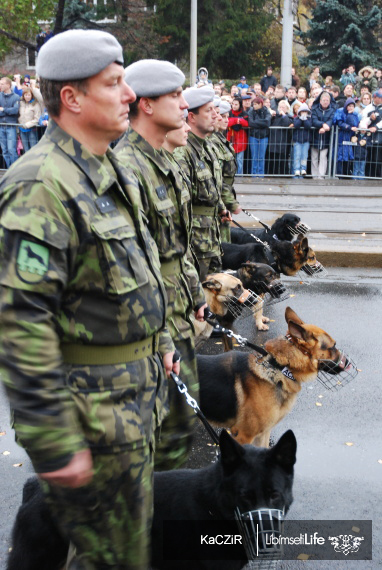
[
  {"x": 161, "y": 192},
  {"x": 32, "y": 261},
  {"x": 105, "y": 204}
]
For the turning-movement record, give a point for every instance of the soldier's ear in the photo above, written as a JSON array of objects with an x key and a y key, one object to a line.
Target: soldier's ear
[
  {"x": 145, "y": 105},
  {"x": 71, "y": 98}
]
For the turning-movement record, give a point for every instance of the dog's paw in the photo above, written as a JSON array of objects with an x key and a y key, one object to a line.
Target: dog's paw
[
  {"x": 262, "y": 327},
  {"x": 265, "y": 319}
]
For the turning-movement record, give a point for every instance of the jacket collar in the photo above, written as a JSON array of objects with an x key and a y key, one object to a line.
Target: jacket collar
[
  {"x": 82, "y": 157},
  {"x": 132, "y": 138},
  {"x": 196, "y": 142}
]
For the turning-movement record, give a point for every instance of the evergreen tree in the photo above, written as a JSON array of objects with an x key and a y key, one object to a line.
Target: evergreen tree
[
  {"x": 342, "y": 32},
  {"x": 229, "y": 32}
]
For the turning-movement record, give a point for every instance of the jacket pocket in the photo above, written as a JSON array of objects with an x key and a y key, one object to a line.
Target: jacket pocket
[{"x": 120, "y": 258}]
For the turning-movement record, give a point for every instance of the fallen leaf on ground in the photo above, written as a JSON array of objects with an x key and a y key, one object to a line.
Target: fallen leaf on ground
[
  {"x": 380, "y": 461},
  {"x": 292, "y": 295},
  {"x": 320, "y": 396},
  {"x": 2, "y": 433},
  {"x": 303, "y": 557},
  {"x": 318, "y": 404},
  {"x": 17, "y": 465},
  {"x": 6, "y": 452},
  {"x": 355, "y": 529},
  {"x": 349, "y": 443}
]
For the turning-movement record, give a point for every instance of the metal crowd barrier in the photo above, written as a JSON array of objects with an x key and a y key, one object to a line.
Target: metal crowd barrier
[
  {"x": 275, "y": 156},
  {"x": 10, "y": 139}
]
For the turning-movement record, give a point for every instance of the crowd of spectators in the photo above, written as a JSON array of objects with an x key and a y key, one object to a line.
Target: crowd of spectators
[
  {"x": 274, "y": 130},
  {"x": 280, "y": 131}
]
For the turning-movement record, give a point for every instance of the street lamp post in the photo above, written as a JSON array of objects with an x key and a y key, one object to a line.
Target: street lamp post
[
  {"x": 193, "y": 41},
  {"x": 287, "y": 45}
]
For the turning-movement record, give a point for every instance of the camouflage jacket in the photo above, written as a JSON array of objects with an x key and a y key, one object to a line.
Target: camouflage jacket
[
  {"x": 166, "y": 202},
  {"x": 77, "y": 265},
  {"x": 227, "y": 159},
  {"x": 201, "y": 165}
]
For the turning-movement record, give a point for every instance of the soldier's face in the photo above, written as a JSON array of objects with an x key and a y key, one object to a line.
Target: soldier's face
[
  {"x": 167, "y": 110},
  {"x": 223, "y": 125},
  {"x": 105, "y": 106},
  {"x": 205, "y": 119},
  {"x": 178, "y": 137}
]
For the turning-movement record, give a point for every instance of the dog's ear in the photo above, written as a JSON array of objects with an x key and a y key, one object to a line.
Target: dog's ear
[
  {"x": 298, "y": 331},
  {"x": 231, "y": 452},
  {"x": 212, "y": 284},
  {"x": 284, "y": 452},
  {"x": 290, "y": 315},
  {"x": 305, "y": 246}
]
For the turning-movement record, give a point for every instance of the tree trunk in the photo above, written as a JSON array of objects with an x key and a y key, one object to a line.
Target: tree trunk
[{"x": 59, "y": 17}]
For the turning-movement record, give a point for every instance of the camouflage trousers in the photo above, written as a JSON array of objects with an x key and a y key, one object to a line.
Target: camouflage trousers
[
  {"x": 209, "y": 265},
  {"x": 108, "y": 521},
  {"x": 176, "y": 434},
  {"x": 225, "y": 232}
]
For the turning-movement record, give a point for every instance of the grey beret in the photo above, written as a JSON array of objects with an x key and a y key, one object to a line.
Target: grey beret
[
  {"x": 153, "y": 78},
  {"x": 77, "y": 54},
  {"x": 217, "y": 101},
  {"x": 198, "y": 96},
  {"x": 224, "y": 107}
]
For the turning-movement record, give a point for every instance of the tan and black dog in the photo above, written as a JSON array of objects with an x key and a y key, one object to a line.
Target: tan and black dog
[
  {"x": 251, "y": 394},
  {"x": 218, "y": 289}
]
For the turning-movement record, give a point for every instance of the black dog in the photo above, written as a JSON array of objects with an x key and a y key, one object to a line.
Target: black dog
[
  {"x": 284, "y": 256},
  {"x": 280, "y": 229},
  {"x": 245, "y": 477}
]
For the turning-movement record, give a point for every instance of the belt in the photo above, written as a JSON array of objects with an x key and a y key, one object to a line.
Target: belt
[
  {"x": 91, "y": 354},
  {"x": 204, "y": 210},
  {"x": 173, "y": 267}
]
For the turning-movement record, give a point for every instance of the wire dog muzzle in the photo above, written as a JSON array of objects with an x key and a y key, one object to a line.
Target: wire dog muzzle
[
  {"x": 277, "y": 292},
  {"x": 299, "y": 229},
  {"x": 335, "y": 374},
  {"x": 257, "y": 528},
  {"x": 309, "y": 273},
  {"x": 247, "y": 304}
]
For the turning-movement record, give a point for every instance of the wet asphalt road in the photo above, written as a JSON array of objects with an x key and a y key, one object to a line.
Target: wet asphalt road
[{"x": 332, "y": 480}]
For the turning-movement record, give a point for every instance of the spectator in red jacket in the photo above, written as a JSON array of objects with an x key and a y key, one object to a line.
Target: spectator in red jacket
[{"x": 238, "y": 131}]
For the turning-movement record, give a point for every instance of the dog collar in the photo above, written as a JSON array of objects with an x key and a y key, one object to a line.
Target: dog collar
[{"x": 283, "y": 369}]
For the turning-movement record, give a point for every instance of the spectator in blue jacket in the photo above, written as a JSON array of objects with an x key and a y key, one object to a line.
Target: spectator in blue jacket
[
  {"x": 259, "y": 119},
  {"x": 9, "y": 112},
  {"x": 323, "y": 110},
  {"x": 302, "y": 125},
  {"x": 347, "y": 121}
]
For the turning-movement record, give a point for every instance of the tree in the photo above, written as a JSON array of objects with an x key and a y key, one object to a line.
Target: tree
[
  {"x": 230, "y": 33},
  {"x": 343, "y": 32}
]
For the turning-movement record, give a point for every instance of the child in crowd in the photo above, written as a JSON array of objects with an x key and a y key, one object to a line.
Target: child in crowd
[
  {"x": 362, "y": 140},
  {"x": 301, "y": 137}
]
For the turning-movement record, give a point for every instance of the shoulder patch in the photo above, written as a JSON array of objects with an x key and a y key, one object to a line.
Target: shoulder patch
[{"x": 32, "y": 261}]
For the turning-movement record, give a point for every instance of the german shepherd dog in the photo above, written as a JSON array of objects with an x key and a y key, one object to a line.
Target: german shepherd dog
[
  {"x": 288, "y": 257},
  {"x": 246, "y": 478},
  {"x": 251, "y": 394},
  {"x": 256, "y": 276},
  {"x": 218, "y": 288},
  {"x": 284, "y": 228}
]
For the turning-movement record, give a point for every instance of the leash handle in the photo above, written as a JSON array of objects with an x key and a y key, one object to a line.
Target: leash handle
[{"x": 257, "y": 219}]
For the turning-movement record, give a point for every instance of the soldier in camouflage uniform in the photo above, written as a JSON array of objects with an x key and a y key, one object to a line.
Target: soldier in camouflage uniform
[
  {"x": 226, "y": 155},
  {"x": 199, "y": 162},
  {"x": 159, "y": 108},
  {"x": 82, "y": 310}
]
